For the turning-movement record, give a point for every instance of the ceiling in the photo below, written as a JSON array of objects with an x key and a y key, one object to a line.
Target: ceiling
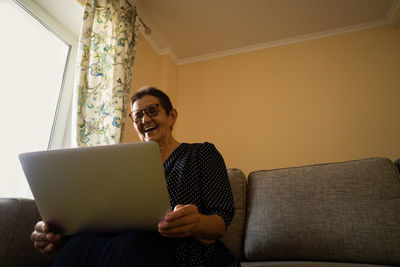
[{"x": 192, "y": 30}]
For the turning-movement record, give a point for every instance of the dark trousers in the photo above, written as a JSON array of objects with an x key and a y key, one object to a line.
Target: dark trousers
[{"x": 124, "y": 249}]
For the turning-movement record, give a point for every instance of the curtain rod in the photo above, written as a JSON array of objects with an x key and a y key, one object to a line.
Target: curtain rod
[{"x": 147, "y": 29}]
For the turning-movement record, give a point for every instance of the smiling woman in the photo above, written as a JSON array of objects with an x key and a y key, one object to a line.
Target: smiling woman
[
  {"x": 34, "y": 69},
  {"x": 153, "y": 116},
  {"x": 200, "y": 196}
]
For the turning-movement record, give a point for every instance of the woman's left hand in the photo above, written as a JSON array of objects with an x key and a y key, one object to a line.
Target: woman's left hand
[{"x": 184, "y": 221}]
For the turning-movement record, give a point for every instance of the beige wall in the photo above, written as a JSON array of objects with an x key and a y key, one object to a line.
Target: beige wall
[
  {"x": 329, "y": 99},
  {"x": 150, "y": 69}
]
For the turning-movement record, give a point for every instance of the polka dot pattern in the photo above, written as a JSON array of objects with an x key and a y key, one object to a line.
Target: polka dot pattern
[{"x": 196, "y": 174}]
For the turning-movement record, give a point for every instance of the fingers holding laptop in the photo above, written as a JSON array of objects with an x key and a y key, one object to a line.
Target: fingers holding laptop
[
  {"x": 184, "y": 221},
  {"x": 44, "y": 240}
]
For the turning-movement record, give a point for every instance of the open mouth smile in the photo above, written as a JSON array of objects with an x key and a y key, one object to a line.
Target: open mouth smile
[{"x": 150, "y": 128}]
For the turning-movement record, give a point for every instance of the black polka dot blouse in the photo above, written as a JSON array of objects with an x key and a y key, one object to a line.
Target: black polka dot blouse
[{"x": 196, "y": 174}]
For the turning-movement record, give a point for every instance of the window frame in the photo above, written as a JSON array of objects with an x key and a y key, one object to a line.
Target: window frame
[{"x": 62, "y": 133}]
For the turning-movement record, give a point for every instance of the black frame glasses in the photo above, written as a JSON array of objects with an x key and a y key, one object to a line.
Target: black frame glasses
[{"x": 151, "y": 111}]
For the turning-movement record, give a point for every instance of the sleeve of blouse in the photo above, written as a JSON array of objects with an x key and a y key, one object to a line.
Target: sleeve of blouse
[{"x": 216, "y": 190}]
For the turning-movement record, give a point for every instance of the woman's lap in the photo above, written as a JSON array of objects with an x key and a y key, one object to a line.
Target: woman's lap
[{"x": 124, "y": 249}]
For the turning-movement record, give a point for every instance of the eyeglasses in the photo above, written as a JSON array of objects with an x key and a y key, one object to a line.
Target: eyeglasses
[{"x": 151, "y": 111}]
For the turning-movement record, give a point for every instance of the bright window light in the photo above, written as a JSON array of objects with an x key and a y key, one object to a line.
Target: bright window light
[{"x": 33, "y": 60}]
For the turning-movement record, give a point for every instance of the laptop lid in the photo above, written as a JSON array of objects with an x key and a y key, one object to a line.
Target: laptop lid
[{"x": 98, "y": 189}]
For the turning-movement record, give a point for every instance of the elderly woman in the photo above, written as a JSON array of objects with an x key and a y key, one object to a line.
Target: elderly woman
[{"x": 200, "y": 197}]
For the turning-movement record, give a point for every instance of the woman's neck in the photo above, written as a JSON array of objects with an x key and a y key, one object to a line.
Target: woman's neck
[{"x": 166, "y": 148}]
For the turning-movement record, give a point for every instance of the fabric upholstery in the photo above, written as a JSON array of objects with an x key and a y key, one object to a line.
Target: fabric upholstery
[
  {"x": 343, "y": 212},
  {"x": 305, "y": 264},
  {"x": 397, "y": 163},
  {"x": 338, "y": 212},
  {"x": 17, "y": 220},
  {"x": 233, "y": 237}
]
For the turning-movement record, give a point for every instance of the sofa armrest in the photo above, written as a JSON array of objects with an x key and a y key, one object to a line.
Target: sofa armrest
[
  {"x": 234, "y": 236},
  {"x": 18, "y": 217},
  {"x": 397, "y": 164}
]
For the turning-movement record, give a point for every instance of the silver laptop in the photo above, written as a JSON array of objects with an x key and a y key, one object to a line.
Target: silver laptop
[{"x": 98, "y": 189}]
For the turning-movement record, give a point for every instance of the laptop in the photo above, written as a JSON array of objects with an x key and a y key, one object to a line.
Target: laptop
[{"x": 109, "y": 189}]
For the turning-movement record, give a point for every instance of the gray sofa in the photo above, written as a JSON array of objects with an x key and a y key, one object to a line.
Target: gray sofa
[{"x": 336, "y": 214}]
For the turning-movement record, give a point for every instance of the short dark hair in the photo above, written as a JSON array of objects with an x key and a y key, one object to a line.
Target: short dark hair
[{"x": 164, "y": 99}]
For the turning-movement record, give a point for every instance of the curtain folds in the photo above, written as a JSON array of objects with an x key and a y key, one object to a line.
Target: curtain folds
[{"x": 104, "y": 70}]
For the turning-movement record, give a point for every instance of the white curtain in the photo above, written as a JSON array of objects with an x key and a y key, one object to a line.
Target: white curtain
[{"x": 104, "y": 70}]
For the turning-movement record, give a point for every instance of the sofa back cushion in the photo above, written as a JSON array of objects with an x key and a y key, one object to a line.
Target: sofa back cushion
[
  {"x": 17, "y": 220},
  {"x": 233, "y": 237},
  {"x": 343, "y": 212}
]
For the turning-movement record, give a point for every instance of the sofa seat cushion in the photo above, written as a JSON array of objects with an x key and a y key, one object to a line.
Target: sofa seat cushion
[
  {"x": 305, "y": 264},
  {"x": 340, "y": 212}
]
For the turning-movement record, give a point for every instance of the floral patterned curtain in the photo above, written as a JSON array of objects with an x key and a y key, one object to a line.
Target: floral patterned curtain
[{"x": 104, "y": 71}]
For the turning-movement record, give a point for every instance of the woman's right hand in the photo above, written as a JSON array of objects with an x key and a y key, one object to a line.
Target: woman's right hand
[{"x": 44, "y": 240}]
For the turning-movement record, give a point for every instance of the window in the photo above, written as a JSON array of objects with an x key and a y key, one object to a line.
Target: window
[{"x": 36, "y": 92}]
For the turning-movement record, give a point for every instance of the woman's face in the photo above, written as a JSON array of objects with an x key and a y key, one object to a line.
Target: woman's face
[{"x": 156, "y": 128}]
